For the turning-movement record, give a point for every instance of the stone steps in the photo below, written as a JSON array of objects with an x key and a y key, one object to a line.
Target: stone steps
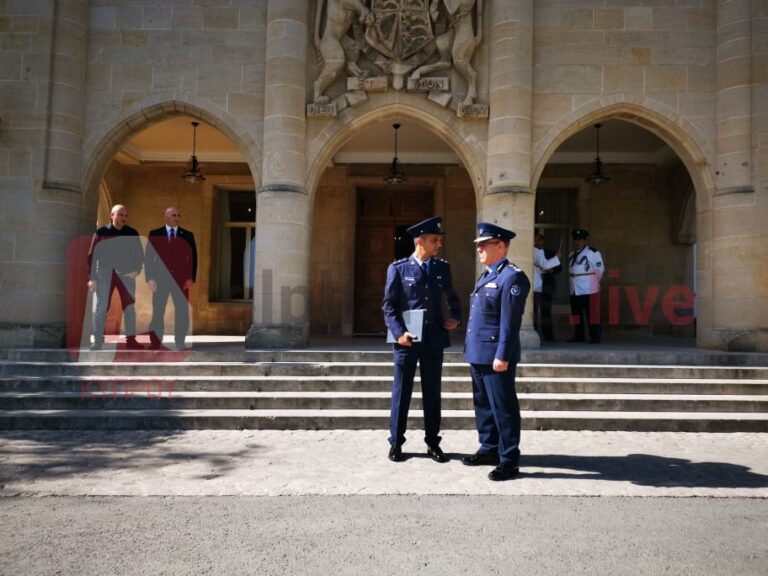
[
  {"x": 525, "y": 384},
  {"x": 341, "y": 369},
  {"x": 369, "y": 419},
  {"x": 575, "y": 355},
  {"x": 371, "y": 401},
  {"x": 321, "y": 390}
]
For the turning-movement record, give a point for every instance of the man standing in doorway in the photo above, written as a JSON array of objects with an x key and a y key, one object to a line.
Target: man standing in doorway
[
  {"x": 419, "y": 283},
  {"x": 543, "y": 286},
  {"x": 492, "y": 348},
  {"x": 115, "y": 259},
  {"x": 586, "y": 268},
  {"x": 171, "y": 271}
]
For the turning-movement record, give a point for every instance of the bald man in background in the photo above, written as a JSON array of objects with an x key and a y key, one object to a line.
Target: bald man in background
[{"x": 115, "y": 259}]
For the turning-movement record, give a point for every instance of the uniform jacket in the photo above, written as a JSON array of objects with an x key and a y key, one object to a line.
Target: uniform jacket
[
  {"x": 115, "y": 250},
  {"x": 178, "y": 258},
  {"x": 540, "y": 264},
  {"x": 496, "y": 314},
  {"x": 586, "y": 269},
  {"x": 408, "y": 288}
]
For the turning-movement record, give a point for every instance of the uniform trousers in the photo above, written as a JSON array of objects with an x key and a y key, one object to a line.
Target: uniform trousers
[
  {"x": 168, "y": 287},
  {"x": 586, "y": 310},
  {"x": 430, "y": 361},
  {"x": 542, "y": 314},
  {"x": 106, "y": 284},
  {"x": 497, "y": 412}
]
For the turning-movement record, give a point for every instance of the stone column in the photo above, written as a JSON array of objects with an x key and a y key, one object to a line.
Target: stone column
[
  {"x": 737, "y": 224},
  {"x": 46, "y": 217},
  {"x": 283, "y": 209},
  {"x": 734, "y": 96},
  {"x": 508, "y": 199},
  {"x": 66, "y": 98}
]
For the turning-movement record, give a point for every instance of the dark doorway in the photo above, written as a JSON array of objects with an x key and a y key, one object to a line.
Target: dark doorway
[
  {"x": 383, "y": 215},
  {"x": 554, "y": 215}
]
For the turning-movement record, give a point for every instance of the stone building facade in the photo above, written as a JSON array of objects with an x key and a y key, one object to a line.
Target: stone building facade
[{"x": 504, "y": 84}]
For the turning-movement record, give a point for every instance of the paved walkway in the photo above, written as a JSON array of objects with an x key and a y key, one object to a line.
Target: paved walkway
[{"x": 272, "y": 463}]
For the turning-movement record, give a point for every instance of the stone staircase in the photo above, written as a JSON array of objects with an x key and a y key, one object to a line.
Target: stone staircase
[{"x": 350, "y": 390}]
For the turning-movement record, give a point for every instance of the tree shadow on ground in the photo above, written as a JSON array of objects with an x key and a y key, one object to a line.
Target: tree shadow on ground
[
  {"x": 50, "y": 455},
  {"x": 645, "y": 470}
]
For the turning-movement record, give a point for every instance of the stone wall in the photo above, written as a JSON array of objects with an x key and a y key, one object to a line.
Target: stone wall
[
  {"x": 79, "y": 78},
  {"x": 660, "y": 55}
]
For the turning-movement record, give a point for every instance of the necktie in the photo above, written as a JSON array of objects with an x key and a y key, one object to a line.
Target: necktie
[
  {"x": 172, "y": 236},
  {"x": 574, "y": 256}
]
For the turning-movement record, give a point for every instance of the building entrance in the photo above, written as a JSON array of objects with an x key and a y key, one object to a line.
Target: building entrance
[{"x": 383, "y": 215}]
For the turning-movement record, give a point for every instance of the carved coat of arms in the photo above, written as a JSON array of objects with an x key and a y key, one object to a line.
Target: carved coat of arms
[
  {"x": 397, "y": 44},
  {"x": 400, "y": 28}
]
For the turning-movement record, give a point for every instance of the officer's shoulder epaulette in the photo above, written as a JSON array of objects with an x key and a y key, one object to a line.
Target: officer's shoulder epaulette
[
  {"x": 513, "y": 267},
  {"x": 440, "y": 260},
  {"x": 401, "y": 261}
]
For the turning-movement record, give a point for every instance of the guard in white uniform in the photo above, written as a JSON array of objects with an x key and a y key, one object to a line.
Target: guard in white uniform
[
  {"x": 542, "y": 298},
  {"x": 586, "y": 270}
]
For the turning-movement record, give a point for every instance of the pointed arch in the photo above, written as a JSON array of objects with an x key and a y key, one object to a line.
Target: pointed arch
[
  {"x": 467, "y": 139},
  {"x": 677, "y": 132},
  {"x": 101, "y": 147}
]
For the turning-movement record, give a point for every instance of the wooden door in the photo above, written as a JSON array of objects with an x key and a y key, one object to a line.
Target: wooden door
[{"x": 382, "y": 214}]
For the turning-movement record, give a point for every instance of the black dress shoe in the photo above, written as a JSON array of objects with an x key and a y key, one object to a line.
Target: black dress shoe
[
  {"x": 396, "y": 454},
  {"x": 503, "y": 472},
  {"x": 132, "y": 344},
  {"x": 481, "y": 459},
  {"x": 436, "y": 454}
]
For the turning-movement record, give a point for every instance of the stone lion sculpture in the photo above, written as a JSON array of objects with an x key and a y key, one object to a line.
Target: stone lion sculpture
[{"x": 335, "y": 48}]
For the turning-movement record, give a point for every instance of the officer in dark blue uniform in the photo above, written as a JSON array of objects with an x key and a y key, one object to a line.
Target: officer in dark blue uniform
[
  {"x": 414, "y": 283},
  {"x": 492, "y": 348}
]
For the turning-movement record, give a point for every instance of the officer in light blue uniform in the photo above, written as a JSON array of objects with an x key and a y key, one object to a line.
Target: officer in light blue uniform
[
  {"x": 420, "y": 281},
  {"x": 492, "y": 348}
]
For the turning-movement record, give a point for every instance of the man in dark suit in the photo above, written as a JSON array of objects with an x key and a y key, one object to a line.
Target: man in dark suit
[
  {"x": 171, "y": 269},
  {"x": 492, "y": 348},
  {"x": 419, "y": 283},
  {"x": 115, "y": 259}
]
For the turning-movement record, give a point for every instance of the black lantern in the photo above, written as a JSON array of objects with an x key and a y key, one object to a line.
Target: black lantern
[
  {"x": 598, "y": 174},
  {"x": 396, "y": 176},
  {"x": 193, "y": 174}
]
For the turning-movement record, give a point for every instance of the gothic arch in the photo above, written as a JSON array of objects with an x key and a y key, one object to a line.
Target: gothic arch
[
  {"x": 101, "y": 147},
  {"x": 468, "y": 139},
  {"x": 680, "y": 134}
]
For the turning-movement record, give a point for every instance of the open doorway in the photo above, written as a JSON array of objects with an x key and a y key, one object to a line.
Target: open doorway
[{"x": 383, "y": 216}]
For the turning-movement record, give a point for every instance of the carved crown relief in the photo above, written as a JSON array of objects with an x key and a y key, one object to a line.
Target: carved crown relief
[{"x": 399, "y": 45}]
